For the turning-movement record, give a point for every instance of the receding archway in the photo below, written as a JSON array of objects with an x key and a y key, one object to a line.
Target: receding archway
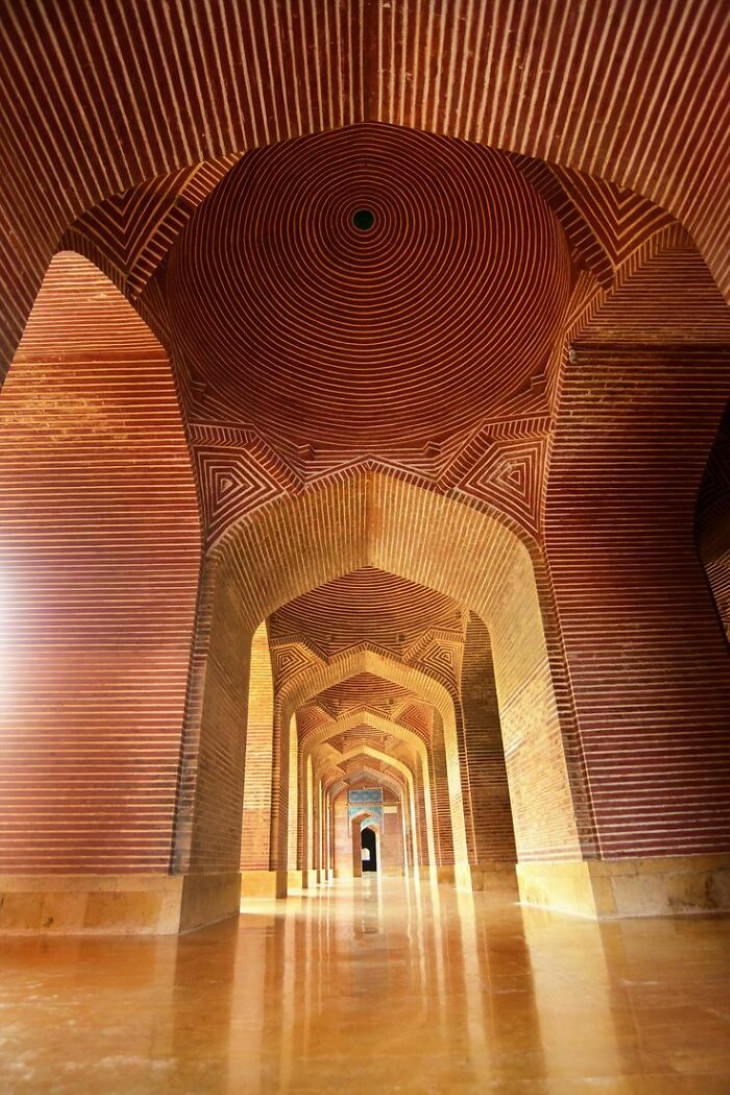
[
  {"x": 446, "y": 777},
  {"x": 418, "y": 782},
  {"x": 399, "y": 778},
  {"x": 363, "y": 518}
]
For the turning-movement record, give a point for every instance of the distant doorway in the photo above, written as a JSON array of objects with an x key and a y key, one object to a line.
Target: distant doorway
[{"x": 368, "y": 845}]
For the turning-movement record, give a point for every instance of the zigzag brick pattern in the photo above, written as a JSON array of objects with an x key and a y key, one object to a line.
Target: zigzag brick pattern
[{"x": 367, "y": 605}]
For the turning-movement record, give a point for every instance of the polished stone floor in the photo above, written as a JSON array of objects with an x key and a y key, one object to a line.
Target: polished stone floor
[{"x": 374, "y": 987}]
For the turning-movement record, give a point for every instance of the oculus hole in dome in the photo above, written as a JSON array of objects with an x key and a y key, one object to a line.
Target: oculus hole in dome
[{"x": 363, "y": 219}]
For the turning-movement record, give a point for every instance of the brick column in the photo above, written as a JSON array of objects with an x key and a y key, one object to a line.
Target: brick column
[
  {"x": 484, "y": 774},
  {"x": 648, "y": 665}
]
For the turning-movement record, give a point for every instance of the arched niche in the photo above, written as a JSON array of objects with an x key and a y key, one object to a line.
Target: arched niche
[
  {"x": 442, "y": 755},
  {"x": 643, "y": 392}
]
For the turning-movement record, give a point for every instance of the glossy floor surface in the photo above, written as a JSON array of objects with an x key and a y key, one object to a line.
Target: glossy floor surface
[{"x": 374, "y": 987}]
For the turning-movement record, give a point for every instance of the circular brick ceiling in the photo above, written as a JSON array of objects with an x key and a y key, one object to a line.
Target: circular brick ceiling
[{"x": 374, "y": 283}]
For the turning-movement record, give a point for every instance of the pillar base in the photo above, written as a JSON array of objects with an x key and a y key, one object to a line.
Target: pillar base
[
  {"x": 495, "y": 876},
  {"x": 610, "y": 889},
  {"x": 144, "y": 904},
  {"x": 458, "y": 875},
  {"x": 258, "y": 884}
]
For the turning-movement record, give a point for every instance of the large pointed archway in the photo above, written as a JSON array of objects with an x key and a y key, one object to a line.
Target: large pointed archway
[{"x": 387, "y": 522}]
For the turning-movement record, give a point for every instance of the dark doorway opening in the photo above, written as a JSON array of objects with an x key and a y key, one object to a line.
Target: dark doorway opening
[{"x": 369, "y": 850}]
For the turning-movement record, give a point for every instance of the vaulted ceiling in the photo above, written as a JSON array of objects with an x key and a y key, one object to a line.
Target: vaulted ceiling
[
  {"x": 430, "y": 341},
  {"x": 288, "y": 317},
  {"x": 210, "y": 158},
  {"x": 366, "y": 606},
  {"x": 96, "y": 100}
]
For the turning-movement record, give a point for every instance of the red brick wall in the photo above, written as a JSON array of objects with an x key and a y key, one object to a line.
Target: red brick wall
[
  {"x": 713, "y": 522},
  {"x": 485, "y": 775},
  {"x": 99, "y": 556},
  {"x": 259, "y": 731},
  {"x": 647, "y": 661}
]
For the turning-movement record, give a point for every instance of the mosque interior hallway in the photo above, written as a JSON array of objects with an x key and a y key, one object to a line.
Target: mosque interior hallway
[
  {"x": 373, "y": 985},
  {"x": 364, "y": 547}
]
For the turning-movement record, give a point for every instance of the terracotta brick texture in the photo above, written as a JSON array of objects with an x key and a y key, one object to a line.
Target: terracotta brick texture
[
  {"x": 438, "y": 505},
  {"x": 99, "y": 556}
]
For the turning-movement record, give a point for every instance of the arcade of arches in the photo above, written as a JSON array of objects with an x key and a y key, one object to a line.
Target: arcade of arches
[{"x": 364, "y": 457}]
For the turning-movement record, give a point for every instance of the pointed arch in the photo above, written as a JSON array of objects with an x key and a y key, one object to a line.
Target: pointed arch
[
  {"x": 442, "y": 755},
  {"x": 367, "y": 517}
]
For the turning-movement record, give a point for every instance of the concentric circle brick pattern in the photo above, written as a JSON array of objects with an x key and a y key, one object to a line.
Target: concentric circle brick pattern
[
  {"x": 90, "y": 107},
  {"x": 309, "y": 327}
]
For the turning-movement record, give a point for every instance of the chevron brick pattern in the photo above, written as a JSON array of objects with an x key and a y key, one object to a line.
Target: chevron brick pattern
[{"x": 129, "y": 235}]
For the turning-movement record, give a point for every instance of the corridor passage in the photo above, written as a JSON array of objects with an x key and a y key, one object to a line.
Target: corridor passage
[{"x": 375, "y": 986}]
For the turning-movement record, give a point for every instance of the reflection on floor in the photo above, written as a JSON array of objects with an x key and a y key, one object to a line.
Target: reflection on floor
[{"x": 377, "y": 987}]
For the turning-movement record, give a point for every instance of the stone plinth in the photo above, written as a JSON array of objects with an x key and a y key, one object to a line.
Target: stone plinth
[
  {"x": 609, "y": 889},
  {"x": 115, "y": 904}
]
